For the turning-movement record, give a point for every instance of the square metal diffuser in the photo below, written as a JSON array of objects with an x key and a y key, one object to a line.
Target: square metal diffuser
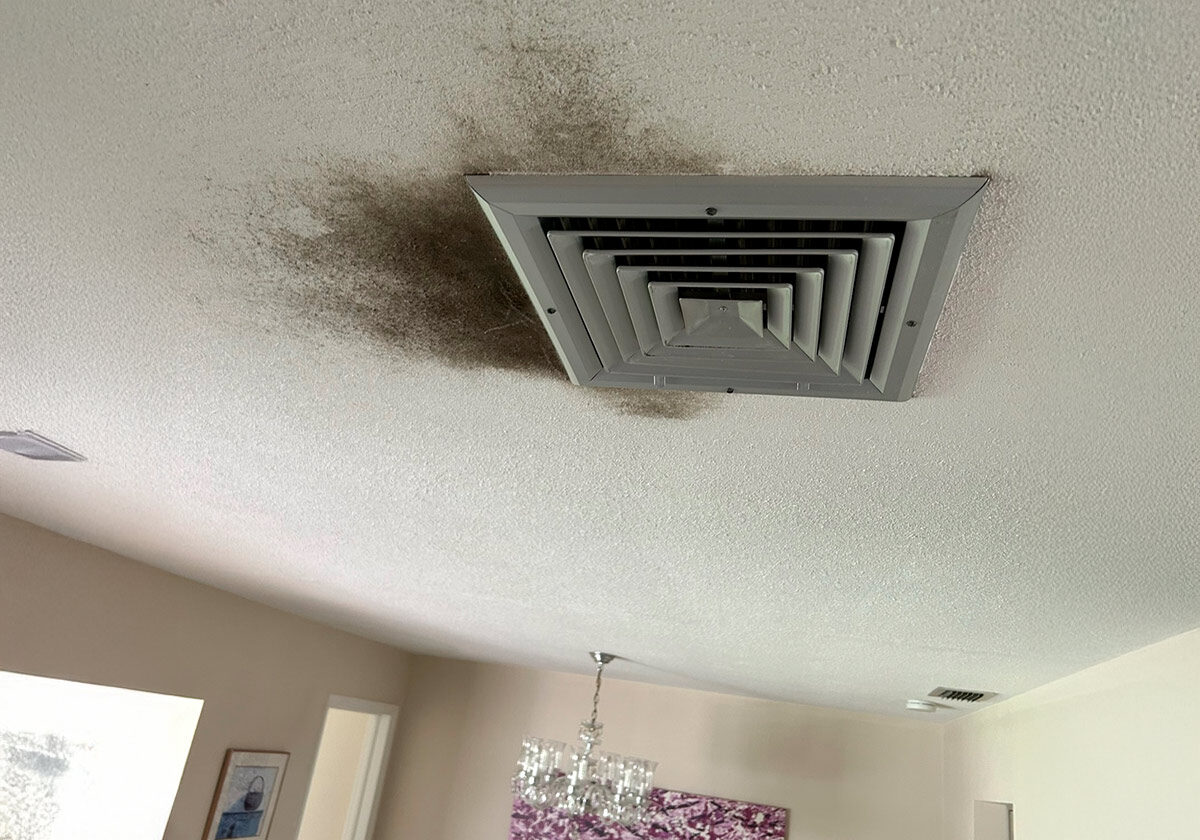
[{"x": 827, "y": 286}]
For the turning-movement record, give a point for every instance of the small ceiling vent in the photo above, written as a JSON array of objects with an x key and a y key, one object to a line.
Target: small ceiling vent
[
  {"x": 804, "y": 286},
  {"x": 962, "y": 695},
  {"x": 30, "y": 444}
]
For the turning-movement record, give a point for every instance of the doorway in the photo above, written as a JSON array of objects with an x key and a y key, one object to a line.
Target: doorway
[
  {"x": 993, "y": 820},
  {"x": 348, "y": 773}
]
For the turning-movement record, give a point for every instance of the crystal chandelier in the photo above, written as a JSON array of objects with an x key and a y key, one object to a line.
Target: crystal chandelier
[{"x": 582, "y": 780}]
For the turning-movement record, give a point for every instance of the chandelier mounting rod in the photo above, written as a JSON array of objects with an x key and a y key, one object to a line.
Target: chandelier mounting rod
[{"x": 601, "y": 659}]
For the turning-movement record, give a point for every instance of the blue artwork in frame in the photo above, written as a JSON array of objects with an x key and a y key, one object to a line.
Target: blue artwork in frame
[
  {"x": 239, "y": 824},
  {"x": 245, "y": 799}
]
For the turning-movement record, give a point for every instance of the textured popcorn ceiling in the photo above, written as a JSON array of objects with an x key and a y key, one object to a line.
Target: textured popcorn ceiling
[{"x": 240, "y": 272}]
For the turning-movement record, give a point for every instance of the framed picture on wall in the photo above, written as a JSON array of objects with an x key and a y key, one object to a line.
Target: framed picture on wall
[{"x": 246, "y": 793}]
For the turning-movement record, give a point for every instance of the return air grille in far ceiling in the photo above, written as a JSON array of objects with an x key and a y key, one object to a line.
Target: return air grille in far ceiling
[
  {"x": 802, "y": 286},
  {"x": 962, "y": 695}
]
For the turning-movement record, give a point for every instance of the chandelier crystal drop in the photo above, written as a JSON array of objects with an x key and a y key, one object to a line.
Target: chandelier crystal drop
[{"x": 582, "y": 780}]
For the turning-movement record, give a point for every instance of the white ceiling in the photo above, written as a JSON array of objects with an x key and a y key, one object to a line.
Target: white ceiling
[{"x": 240, "y": 273}]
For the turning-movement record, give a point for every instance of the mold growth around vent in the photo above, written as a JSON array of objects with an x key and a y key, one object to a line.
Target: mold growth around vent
[
  {"x": 409, "y": 262},
  {"x": 575, "y": 118}
]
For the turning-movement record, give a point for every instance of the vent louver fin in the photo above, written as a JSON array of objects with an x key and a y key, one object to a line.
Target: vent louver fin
[
  {"x": 962, "y": 695},
  {"x": 864, "y": 312},
  {"x": 811, "y": 286},
  {"x": 810, "y": 291}
]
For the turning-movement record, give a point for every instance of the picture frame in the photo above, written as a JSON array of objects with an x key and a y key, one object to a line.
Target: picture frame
[{"x": 247, "y": 790}]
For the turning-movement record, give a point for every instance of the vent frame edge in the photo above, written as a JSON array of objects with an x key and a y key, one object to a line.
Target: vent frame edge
[{"x": 515, "y": 204}]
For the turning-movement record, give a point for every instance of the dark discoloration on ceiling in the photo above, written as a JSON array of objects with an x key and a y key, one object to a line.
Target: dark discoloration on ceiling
[
  {"x": 575, "y": 118},
  {"x": 665, "y": 405},
  {"x": 410, "y": 262}
]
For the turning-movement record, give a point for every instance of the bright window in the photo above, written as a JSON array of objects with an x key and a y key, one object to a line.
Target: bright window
[{"x": 80, "y": 760}]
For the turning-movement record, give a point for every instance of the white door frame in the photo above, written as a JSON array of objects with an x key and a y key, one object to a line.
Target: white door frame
[{"x": 368, "y": 781}]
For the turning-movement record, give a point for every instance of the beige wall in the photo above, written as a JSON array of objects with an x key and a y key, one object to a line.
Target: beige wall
[
  {"x": 1110, "y": 753},
  {"x": 845, "y": 776},
  {"x": 73, "y": 611}
]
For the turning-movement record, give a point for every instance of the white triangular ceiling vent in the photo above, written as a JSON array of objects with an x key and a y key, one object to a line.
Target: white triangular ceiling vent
[{"x": 805, "y": 286}]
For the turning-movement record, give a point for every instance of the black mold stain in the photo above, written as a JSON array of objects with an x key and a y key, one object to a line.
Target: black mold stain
[
  {"x": 662, "y": 405},
  {"x": 575, "y": 119},
  {"x": 410, "y": 261},
  {"x": 413, "y": 265}
]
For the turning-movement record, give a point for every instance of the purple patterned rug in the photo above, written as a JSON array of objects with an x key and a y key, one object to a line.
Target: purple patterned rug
[{"x": 672, "y": 815}]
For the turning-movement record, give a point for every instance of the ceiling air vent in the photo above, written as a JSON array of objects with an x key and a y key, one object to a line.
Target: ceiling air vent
[
  {"x": 805, "y": 286},
  {"x": 962, "y": 695},
  {"x": 30, "y": 444}
]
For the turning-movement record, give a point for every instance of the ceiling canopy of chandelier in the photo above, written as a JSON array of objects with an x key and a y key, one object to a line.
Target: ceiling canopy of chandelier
[{"x": 582, "y": 780}]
